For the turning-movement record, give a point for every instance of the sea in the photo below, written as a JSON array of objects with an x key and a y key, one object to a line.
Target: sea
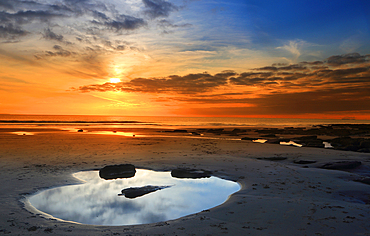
[{"x": 65, "y": 121}]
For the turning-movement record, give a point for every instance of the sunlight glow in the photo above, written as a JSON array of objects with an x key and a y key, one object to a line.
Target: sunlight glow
[{"x": 114, "y": 80}]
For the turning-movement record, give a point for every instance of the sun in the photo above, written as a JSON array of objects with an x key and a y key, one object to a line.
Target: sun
[{"x": 114, "y": 80}]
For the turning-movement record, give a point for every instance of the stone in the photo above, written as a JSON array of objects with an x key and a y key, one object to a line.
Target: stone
[
  {"x": 273, "y": 158},
  {"x": 190, "y": 173},
  {"x": 364, "y": 180},
  {"x": 304, "y": 161},
  {"x": 117, "y": 171},
  {"x": 341, "y": 165},
  {"x": 140, "y": 191}
]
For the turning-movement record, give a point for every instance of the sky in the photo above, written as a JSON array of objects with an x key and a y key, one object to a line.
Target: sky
[{"x": 236, "y": 58}]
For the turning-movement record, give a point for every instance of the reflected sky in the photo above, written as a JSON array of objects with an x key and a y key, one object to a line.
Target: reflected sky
[{"x": 97, "y": 202}]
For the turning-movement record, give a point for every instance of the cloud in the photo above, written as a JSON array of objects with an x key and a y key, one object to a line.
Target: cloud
[
  {"x": 158, "y": 8},
  {"x": 59, "y": 51},
  {"x": 285, "y": 77},
  {"x": 294, "y": 47},
  {"x": 303, "y": 88},
  {"x": 10, "y": 32},
  {"x": 188, "y": 84},
  {"x": 123, "y": 22},
  {"x": 50, "y": 35},
  {"x": 351, "y": 58}
]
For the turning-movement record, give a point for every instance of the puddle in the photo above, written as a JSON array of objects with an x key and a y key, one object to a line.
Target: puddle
[
  {"x": 260, "y": 141},
  {"x": 291, "y": 143},
  {"x": 101, "y": 202},
  {"x": 23, "y": 133}
]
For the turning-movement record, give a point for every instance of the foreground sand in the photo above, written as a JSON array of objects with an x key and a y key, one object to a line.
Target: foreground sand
[{"x": 277, "y": 198}]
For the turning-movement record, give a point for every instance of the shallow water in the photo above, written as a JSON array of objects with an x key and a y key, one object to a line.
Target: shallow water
[{"x": 97, "y": 201}]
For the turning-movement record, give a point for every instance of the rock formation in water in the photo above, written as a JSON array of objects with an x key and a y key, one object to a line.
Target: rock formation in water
[
  {"x": 190, "y": 173},
  {"x": 140, "y": 191},
  {"x": 117, "y": 171},
  {"x": 341, "y": 165}
]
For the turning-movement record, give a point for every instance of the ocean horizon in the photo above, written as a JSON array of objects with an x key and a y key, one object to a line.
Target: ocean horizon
[{"x": 29, "y": 121}]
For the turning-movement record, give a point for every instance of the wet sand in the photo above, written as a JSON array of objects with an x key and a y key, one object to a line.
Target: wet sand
[{"x": 277, "y": 197}]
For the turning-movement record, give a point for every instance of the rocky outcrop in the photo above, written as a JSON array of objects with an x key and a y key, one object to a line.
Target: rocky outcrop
[
  {"x": 140, "y": 191},
  {"x": 301, "y": 161},
  {"x": 190, "y": 173},
  {"x": 341, "y": 165},
  {"x": 117, "y": 171}
]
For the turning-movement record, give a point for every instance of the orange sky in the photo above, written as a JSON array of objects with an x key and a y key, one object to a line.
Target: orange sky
[{"x": 60, "y": 58}]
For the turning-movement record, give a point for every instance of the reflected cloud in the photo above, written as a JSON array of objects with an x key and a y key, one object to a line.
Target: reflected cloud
[{"x": 97, "y": 202}]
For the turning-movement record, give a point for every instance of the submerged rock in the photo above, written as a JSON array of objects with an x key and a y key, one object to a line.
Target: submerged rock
[
  {"x": 272, "y": 158},
  {"x": 190, "y": 173},
  {"x": 117, "y": 171},
  {"x": 364, "y": 180},
  {"x": 304, "y": 161},
  {"x": 140, "y": 191},
  {"x": 341, "y": 165}
]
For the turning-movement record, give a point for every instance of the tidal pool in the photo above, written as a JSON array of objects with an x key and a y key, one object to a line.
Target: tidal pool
[{"x": 100, "y": 202}]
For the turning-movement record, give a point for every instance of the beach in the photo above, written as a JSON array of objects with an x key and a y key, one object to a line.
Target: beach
[{"x": 277, "y": 196}]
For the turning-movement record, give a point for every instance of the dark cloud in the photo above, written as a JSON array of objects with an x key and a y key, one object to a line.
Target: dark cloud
[
  {"x": 125, "y": 23},
  {"x": 188, "y": 84},
  {"x": 352, "y": 58},
  {"x": 10, "y": 32},
  {"x": 58, "y": 52},
  {"x": 285, "y": 77},
  {"x": 15, "y": 15},
  {"x": 167, "y": 24},
  {"x": 50, "y": 35},
  {"x": 158, "y": 8},
  {"x": 304, "y": 88}
]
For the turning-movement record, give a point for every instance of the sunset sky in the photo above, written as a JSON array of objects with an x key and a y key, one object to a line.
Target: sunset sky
[{"x": 247, "y": 58}]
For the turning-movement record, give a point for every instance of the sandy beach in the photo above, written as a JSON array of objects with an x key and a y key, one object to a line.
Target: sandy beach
[{"x": 277, "y": 197}]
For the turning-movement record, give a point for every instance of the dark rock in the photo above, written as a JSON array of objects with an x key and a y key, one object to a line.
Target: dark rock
[
  {"x": 364, "y": 180},
  {"x": 365, "y": 144},
  {"x": 341, "y": 165},
  {"x": 140, "y": 191},
  {"x": 215, "y": 131},
  {"x": 32, "y": 228},
  {"x": 190, "y": 173},
  {"x": 274, "y": 141},
  {"x": 317, "y": 144},
  {"x": 269, "y": 136},
  {"x": 273, "y": 158},
  {"x": 195, "y": 133},
  {"x": 180, "y": 131},
  {"x": 176, "y": 131},
  {"x": 304, "y": 161},
  {"x": 248, "y": 138},
  {"x": 117, "y": 171},
  {"x": 80, "y": 130}
]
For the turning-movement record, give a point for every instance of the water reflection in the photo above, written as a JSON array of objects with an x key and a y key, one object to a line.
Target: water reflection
[
  {"x": 291, "y": 143},
  {"x": 98, "y": 202}
]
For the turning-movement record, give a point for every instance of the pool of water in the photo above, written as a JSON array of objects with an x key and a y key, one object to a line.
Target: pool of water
[{"x": 100, "y": 202}]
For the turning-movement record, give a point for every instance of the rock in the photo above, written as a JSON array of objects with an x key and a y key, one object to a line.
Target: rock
[
  {"x": 140, "y": 191},
  {"x": 190, "y": 173},
  {"x": 176, "y": 131},
  {"x": 273, "y": 158},
  {"x": 341, "y": 165},
  {"x": 80, "y": 130},
  {"x": 117, "y": 171},
  {"x": 364, "y": 180},
  {"x": 248, "y": 138},
  {"x": 269, "y": 136},
  {"x": 304, "y": 161}
]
